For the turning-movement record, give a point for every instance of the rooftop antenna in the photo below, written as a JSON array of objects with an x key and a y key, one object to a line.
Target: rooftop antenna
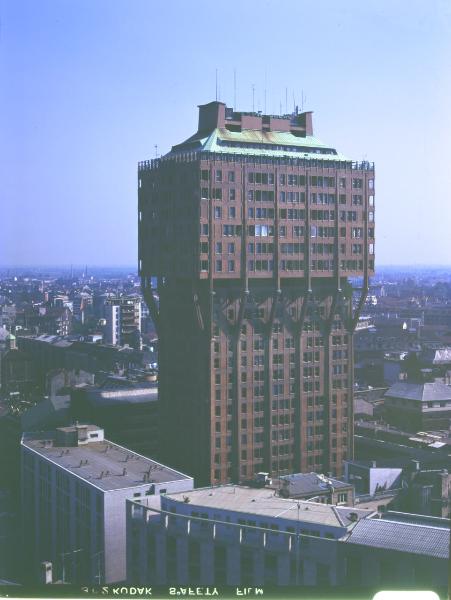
[
  {"x": 156, "y": 150},
  {"x": 280, "y": 112},
  {"x": 286, "y": 100},
  {"x": 253, "y": 97},
  {"x": 294, "y": 103},
  {"x": 302, "y": 100},
  {"x": 234, "y": 89},
  {"x": 216, "y": 85}
]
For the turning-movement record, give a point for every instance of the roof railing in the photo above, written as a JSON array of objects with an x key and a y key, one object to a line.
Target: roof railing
[{"x": 149, "y": 165}]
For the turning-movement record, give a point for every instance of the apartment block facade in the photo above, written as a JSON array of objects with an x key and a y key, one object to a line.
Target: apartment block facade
[
  {"x": 250, "y": 232},
  {"x": 123, "y": 321}
]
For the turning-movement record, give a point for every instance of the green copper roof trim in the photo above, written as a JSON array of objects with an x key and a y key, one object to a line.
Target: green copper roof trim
[{"x": 212, "y": 143}]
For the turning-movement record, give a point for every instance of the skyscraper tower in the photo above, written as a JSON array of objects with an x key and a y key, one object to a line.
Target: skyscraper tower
[{"x": 256, "y": 243}]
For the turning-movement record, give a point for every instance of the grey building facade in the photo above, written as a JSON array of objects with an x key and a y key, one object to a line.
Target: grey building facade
[
  {"x": 243, "y": 536},
  {"x": 74, "y": 487}
]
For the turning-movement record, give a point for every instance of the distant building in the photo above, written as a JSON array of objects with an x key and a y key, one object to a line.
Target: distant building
[
  {"x": 17, "y": 371},
  {"x": 317, "y": 487},
  {"x": 8, "y": 534},
  {"x": 123, "y": 321},
  {"x": 246, "y": 536},
  {"x": 419, "y": 406},
  {"x": 413, "y": 488},
  {"x": 40, "y": 413},
  {"x": 55, "y": 320},
  {"x": 127, "y": 410},
  {"x": 398, "y": 551},
  {"x": 74, "y": 487},
  {"x": 371, "y": 477},
  {"x": 82, "y": 306},
  {"x": 50, "y": 352}
]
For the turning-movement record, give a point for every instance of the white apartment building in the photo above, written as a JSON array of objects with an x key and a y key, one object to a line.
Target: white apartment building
[
  {"x": 74, "y": 487},
  {"x": 123, "y": 320}
]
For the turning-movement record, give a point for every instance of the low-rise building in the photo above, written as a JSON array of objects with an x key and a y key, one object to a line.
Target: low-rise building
[
  {"x": 317, "y": 487},
  {"x": 249, "y": 536},
  {"x": 236, "y": 535},
  {"x": 74, "y": 487},
  {"x": 419, "y": 406},
  {"x": 126, "y": 409}
]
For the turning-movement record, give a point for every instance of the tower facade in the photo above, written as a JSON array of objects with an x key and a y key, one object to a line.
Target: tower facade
[{"x": 256, "y": 243}]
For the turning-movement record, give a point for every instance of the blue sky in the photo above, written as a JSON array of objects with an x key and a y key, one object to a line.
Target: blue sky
[{"x": 89, "y": 87}]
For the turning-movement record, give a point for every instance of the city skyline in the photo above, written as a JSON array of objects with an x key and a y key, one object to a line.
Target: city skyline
[{"x": 92, "y": 88}]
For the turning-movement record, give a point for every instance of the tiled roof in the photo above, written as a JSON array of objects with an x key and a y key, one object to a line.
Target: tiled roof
[
  {"x": 402, "y": 537},
  {"x": 420, "y": 391}
]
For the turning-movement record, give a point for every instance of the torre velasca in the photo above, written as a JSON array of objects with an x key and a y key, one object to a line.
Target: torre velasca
[{"x": 256, "y": 243}]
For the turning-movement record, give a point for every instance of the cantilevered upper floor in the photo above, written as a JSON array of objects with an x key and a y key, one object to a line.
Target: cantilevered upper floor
[{"x": 255, "y": 196}]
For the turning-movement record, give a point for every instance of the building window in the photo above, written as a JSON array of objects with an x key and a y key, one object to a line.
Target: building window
[
  {"x": 371, "y": 184},
  {"x": 232, "y": 194},
  {"x": 218, "y": 212},
  {"x": 231, "y": 176},
  {"x": 218, "y": 175},
  {"x": 232, "y": 212},
  {"x": 231, "y": 266},
  {"x": 219, "y": 266}
]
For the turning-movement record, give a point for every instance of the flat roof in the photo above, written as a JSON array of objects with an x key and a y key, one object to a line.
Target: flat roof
[
  {"x": 263, "y": 502},
  {"x": 89, "y": 461},
  {"x": 312, "y": 483}
]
